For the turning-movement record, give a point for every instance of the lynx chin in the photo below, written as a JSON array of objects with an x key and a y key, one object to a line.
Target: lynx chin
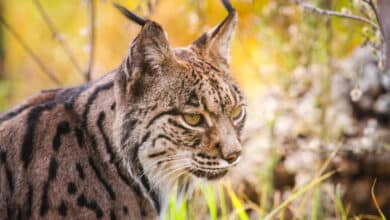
[{"x": 115, "y": 148}]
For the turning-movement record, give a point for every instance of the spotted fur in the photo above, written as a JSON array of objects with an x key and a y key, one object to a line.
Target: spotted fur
[{"x": 116, "y": 147}]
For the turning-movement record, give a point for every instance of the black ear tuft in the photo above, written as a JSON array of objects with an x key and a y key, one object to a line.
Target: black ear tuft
[
  {"x": 130, "y": 15},
  {"x": 228, "y": 6},
  {"x": 215, "y": 44}
]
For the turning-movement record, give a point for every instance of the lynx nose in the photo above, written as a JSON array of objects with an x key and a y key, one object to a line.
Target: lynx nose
[{"x": 232, "y": 157}]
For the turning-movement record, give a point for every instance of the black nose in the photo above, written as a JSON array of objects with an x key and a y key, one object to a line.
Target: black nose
[{"x": 233, "y": 156}]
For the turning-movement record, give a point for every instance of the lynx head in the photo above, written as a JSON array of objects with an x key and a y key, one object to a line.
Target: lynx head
[{"x": 180, "y": 113}]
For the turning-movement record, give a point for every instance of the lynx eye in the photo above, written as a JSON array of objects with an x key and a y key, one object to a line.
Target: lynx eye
[
  {"x": 193, "y": 119},
  {"x": 237, "y": 112}
]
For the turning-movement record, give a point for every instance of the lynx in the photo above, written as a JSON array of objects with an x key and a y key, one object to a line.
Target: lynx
[{"x": 117, "y": 147}]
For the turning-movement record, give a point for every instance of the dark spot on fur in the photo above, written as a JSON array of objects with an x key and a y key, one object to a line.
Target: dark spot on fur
[
  {"x": 72, "y": 188},
  {"x": 193, "y": 99},
  {"x": 101, "y": 179},
  {"x": 62, "y": 209},
  {"x": 80, "y": 171},
  {"x": 11, "y": 114},
  {"x": 52, "y": 169},
  {"x": 107, "y": 144},
  {"x": 140, "y": 170},
  {"x": 138, "y": 89},
  {"x": 95, "y": 207},
  {"x": 92, "y": 98},
  {"x": 8, "y": 172},
  {"x": 53, "y": 166},
  {"x": 62, "y": 128},
  {"x": 3, "y": 156},
  {"x": 81, "y": 200},
  {"x": 112, "y": 215},
  {"x": 157, "y": 154},
  {"x": 169, "y": 112},
  {"x": 113, "y": 105},
  {"x": 79, "y": 137},
  {"x": 32, "y": 120},
  {"x": 125, "y": 210},
  {"x": 92, "y": 138}
]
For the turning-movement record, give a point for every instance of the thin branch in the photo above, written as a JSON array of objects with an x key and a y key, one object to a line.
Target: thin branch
[
  {"x": 56, "y": 34},
  {"x": 91, "y": 39},
  {"x": 35, "y": 57},
  {"x": 337, "y": 14},
  {"x": 375, "y": 10}
]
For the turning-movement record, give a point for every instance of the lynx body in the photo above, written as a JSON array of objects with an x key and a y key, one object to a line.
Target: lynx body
[{"x": 116, "y": 147}]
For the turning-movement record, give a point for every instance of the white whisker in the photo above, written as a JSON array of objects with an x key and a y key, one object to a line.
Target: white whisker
[
  {"x": 166, "y": 158},
  {"x": 168, "y": 173},
  {"x": 150, "y": 166}
]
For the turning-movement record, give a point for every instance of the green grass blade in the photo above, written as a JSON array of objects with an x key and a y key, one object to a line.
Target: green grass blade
[
  {"x": 340, "y": 206},
  {"x": 222, "y": 202},
  {"x": 383, "y": 217},
  {"x": 297, "y": 194},
  {"x": 237, "y": 204},
  {"x": 177, "y": 211},
  {"x": 316, "y": 204},
  {"x": 210, "y": 196}
]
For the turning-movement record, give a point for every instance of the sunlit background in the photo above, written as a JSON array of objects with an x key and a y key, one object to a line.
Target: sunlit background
[{"x": 272, "y": 39}]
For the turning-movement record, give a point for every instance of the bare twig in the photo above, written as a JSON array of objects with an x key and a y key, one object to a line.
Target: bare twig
[
  {"x": 376, "y": 201},
  {"x": 35, "y": 57},
  {"x": 91, "y": 39},
  {"x": 337, "y": 14},
  {"x": 375, "y": 10},
  {"x": 54, "y": 31}
]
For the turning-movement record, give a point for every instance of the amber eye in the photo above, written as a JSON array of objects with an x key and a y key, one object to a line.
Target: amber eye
[
  {"x": 193, "y": 119},
  {"x": 236, "y": 113}
]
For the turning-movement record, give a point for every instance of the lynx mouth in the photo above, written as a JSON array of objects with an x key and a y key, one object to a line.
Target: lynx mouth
[
  {"x": 209, "y": 174},
  {"x": 210, "y": 169}
]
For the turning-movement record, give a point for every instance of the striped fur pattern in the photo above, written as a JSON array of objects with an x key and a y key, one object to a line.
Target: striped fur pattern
[{"x": 116, "y": 147}]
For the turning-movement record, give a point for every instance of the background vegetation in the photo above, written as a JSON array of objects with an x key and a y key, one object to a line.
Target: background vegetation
[
  {"x": 283, "y": 50},
  {"x": 272, "y": 38}
]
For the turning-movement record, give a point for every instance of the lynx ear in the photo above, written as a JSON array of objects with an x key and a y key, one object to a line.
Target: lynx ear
[
  {"x": 215, "y": 43},
  {"x": 150, "y": 50}
]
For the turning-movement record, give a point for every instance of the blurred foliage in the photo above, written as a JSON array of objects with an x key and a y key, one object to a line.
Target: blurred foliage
[{"x": 272, "y": 38}]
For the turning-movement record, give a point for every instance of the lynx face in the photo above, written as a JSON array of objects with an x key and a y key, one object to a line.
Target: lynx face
[
  {"x": 183, "y": 108},
  {"x": 198, "y": 134}
]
